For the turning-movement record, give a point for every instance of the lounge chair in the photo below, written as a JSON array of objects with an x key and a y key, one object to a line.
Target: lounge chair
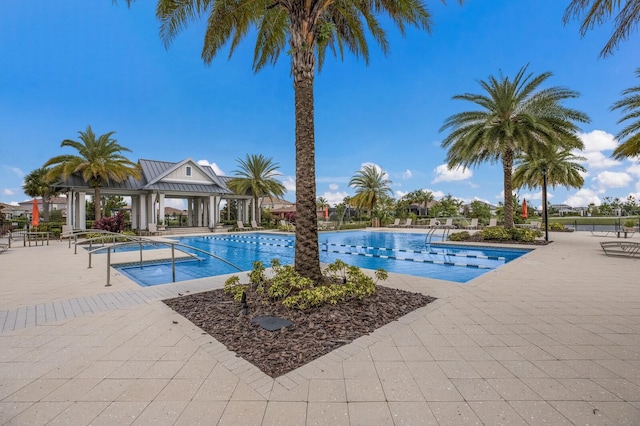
[
  {"x": 395, "y": 224},
  {"x": 493, "y": 222},
  {"x": 473, "y": 224},
  {"x": 621, "y": 248},
  {"x": 152, "y": 229},
  {"x": 3, "y": 247},
  {"x": 448, "y": 223},
  {"x": 240, "y": 226},
  {"x": 254, "y": 226},
  {"x": 407, "y": 224}
]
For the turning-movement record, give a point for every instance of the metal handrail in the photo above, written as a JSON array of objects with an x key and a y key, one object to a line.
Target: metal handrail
[{"x": 154, "y": 242}]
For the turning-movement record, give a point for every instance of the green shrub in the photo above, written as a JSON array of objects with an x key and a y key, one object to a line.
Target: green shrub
[
  {"x": 293, "y": 291},
  {"x": 499, "y": 233},
  {"x": 525, "y": 235},
  {"x": 629, "y": 223},
  {"x": 460, "y": 236},
  {"x": 556, "y": 226}
]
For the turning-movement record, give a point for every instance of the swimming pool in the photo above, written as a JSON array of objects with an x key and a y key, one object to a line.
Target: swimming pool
[{"x": 403, "y": 253}]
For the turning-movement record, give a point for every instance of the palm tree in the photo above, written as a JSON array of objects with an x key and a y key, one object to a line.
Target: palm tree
[
  {"x": 36, "y": 184},
  {"x": 515, "y": 117},
  {"x": 321, "y": 203},
  {"x": 257, "y": 176},
  {"x": 630, "y": 107},
  {"x": 560, "y": 165},
  {"x": 99, "y": 161},
  {"x": 598, "y": 12},
  {"x": 371, "y": 186},
  {"x": 305, "y": 30}
]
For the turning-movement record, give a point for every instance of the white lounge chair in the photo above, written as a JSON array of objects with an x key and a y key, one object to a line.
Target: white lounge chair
[
  {"x": 493, "y": 222},
  {"x": 407, "y": 224},
  {"x": 473, "y": 224},
  {"x": 152, "y": 229},
  {"x": 240, "y": 226},
  {"x": 254, "y": 225},
  {"x": 448, "y": 223},
  {"x": 395, "y": 224}
]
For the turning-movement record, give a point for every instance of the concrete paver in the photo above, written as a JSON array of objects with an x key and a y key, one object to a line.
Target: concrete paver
[{"x": 552, "y": 338}]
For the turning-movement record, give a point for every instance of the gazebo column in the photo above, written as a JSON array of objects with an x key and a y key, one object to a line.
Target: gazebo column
[
  {"x": 190, "y": 212},
  {"x": 70, "y": 209},
  {"x": 245, "y": 211},
  {"x": 151, "y": 208},
  {"x": 213, "y": 211},
  {"x": 143, "y": 211},
  {"x": 135, "y": 212},
  {"x": 81, "y": 210},
  {"x": 161, "y": 209}
]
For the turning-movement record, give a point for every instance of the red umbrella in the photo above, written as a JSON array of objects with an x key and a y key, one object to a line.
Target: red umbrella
[
  {"x": 326, "y": 213},
  {"x": 35, "y": 214},
  {"x": 525, "y": 210}
]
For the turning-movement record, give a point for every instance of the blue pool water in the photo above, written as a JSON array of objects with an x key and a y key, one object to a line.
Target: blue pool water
[{"x": 402, "y": 253}]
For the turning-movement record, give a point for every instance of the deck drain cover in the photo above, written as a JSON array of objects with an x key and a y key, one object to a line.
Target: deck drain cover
[{"x": 272, "y": 323}]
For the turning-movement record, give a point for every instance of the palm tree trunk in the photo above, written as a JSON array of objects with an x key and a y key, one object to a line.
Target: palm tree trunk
[
  {"x": 307, "y": 254},
  {"x": 507, "y": 170},
  {"x": 97, "y": 204}
]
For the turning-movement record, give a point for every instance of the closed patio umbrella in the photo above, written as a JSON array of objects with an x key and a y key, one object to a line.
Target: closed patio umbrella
[
  {"x": 35, "y": 214},
  {"x": 525, "y": 210}
]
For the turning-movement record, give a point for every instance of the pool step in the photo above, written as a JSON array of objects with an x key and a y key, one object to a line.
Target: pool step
[{"x": 187, "y": 230}]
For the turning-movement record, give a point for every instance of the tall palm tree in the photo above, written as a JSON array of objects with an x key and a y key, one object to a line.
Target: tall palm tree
[
  {"x": 560, "y": 165},
  {"x": 36, "y": 184},
  {"x": 597, "y": 12},
  {"x": 371, "y": 186},
  {"x": 304, "y": 30},
  {"x": 99, "y": 161},
  {"x": 515, "y": 117},
  {"x": 630, "y": 107},
  {"x": 256, "y": 176}
]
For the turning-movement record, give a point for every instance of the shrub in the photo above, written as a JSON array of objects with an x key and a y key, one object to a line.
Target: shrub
[
  {"x": 499, "y": 233},
  {"x": 629, "y": 223},
  {"x": 111, "y": 223},
  {"x": 460, "y": 236},
  {"x": 287, "y": 287},
  {"x": 556, "y": 226}
]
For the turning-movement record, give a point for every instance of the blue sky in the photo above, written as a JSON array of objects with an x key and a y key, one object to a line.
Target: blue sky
[{"x": 69, "y": 64}]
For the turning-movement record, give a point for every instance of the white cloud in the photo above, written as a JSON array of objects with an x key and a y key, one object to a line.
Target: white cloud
[
  {"x": 532, "y": 196},
  {"x": 14, "y": 203},
  {"x": 634, "y": 169},
  {"x": 15, "y": 170},
  {"x": 407, "y": 174},
  {"x": 606, "y": 180},
  {"x": 7, "y": 191},
  {"x": 583, "y": 198},
  {"x": 444, "y": 174},
  {"x": 333, "y": 186},
  {"x": 214, "y": 166},
  {"x": 334, "y": 198},
  {"x": 400, "y": 194},
  {"x": 598, "y": 140},
  {"x": 437, "y": 194},
  {"x": 289, "y": 183},
  {"x": 597, "y": 160},
  {"x": 595, "y": 143}
]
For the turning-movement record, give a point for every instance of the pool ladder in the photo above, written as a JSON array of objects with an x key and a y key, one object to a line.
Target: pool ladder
[{"x": 429, "y": 236}]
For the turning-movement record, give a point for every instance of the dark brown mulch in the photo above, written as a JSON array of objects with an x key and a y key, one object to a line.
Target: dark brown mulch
[{"x": 314, "y": 332}]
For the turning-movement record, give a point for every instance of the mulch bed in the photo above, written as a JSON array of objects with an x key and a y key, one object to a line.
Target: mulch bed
[{"x": 314, "y": 332}]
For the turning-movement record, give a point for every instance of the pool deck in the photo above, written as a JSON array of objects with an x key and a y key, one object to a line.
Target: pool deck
[{"x": 551, "y": 338}]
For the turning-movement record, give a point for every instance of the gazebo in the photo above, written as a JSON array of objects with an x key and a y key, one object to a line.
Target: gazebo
[{"x": 198, "y": 184}]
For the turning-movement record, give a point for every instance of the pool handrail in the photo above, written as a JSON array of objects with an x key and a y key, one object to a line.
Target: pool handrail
[{"x": 158, "y": 242}]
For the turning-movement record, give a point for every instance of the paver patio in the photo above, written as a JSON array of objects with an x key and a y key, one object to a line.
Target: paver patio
[{"x": 551, "y": 338}]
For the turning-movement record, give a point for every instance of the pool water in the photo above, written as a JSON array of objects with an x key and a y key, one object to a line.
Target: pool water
[{"x": 403, "y": 253}]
